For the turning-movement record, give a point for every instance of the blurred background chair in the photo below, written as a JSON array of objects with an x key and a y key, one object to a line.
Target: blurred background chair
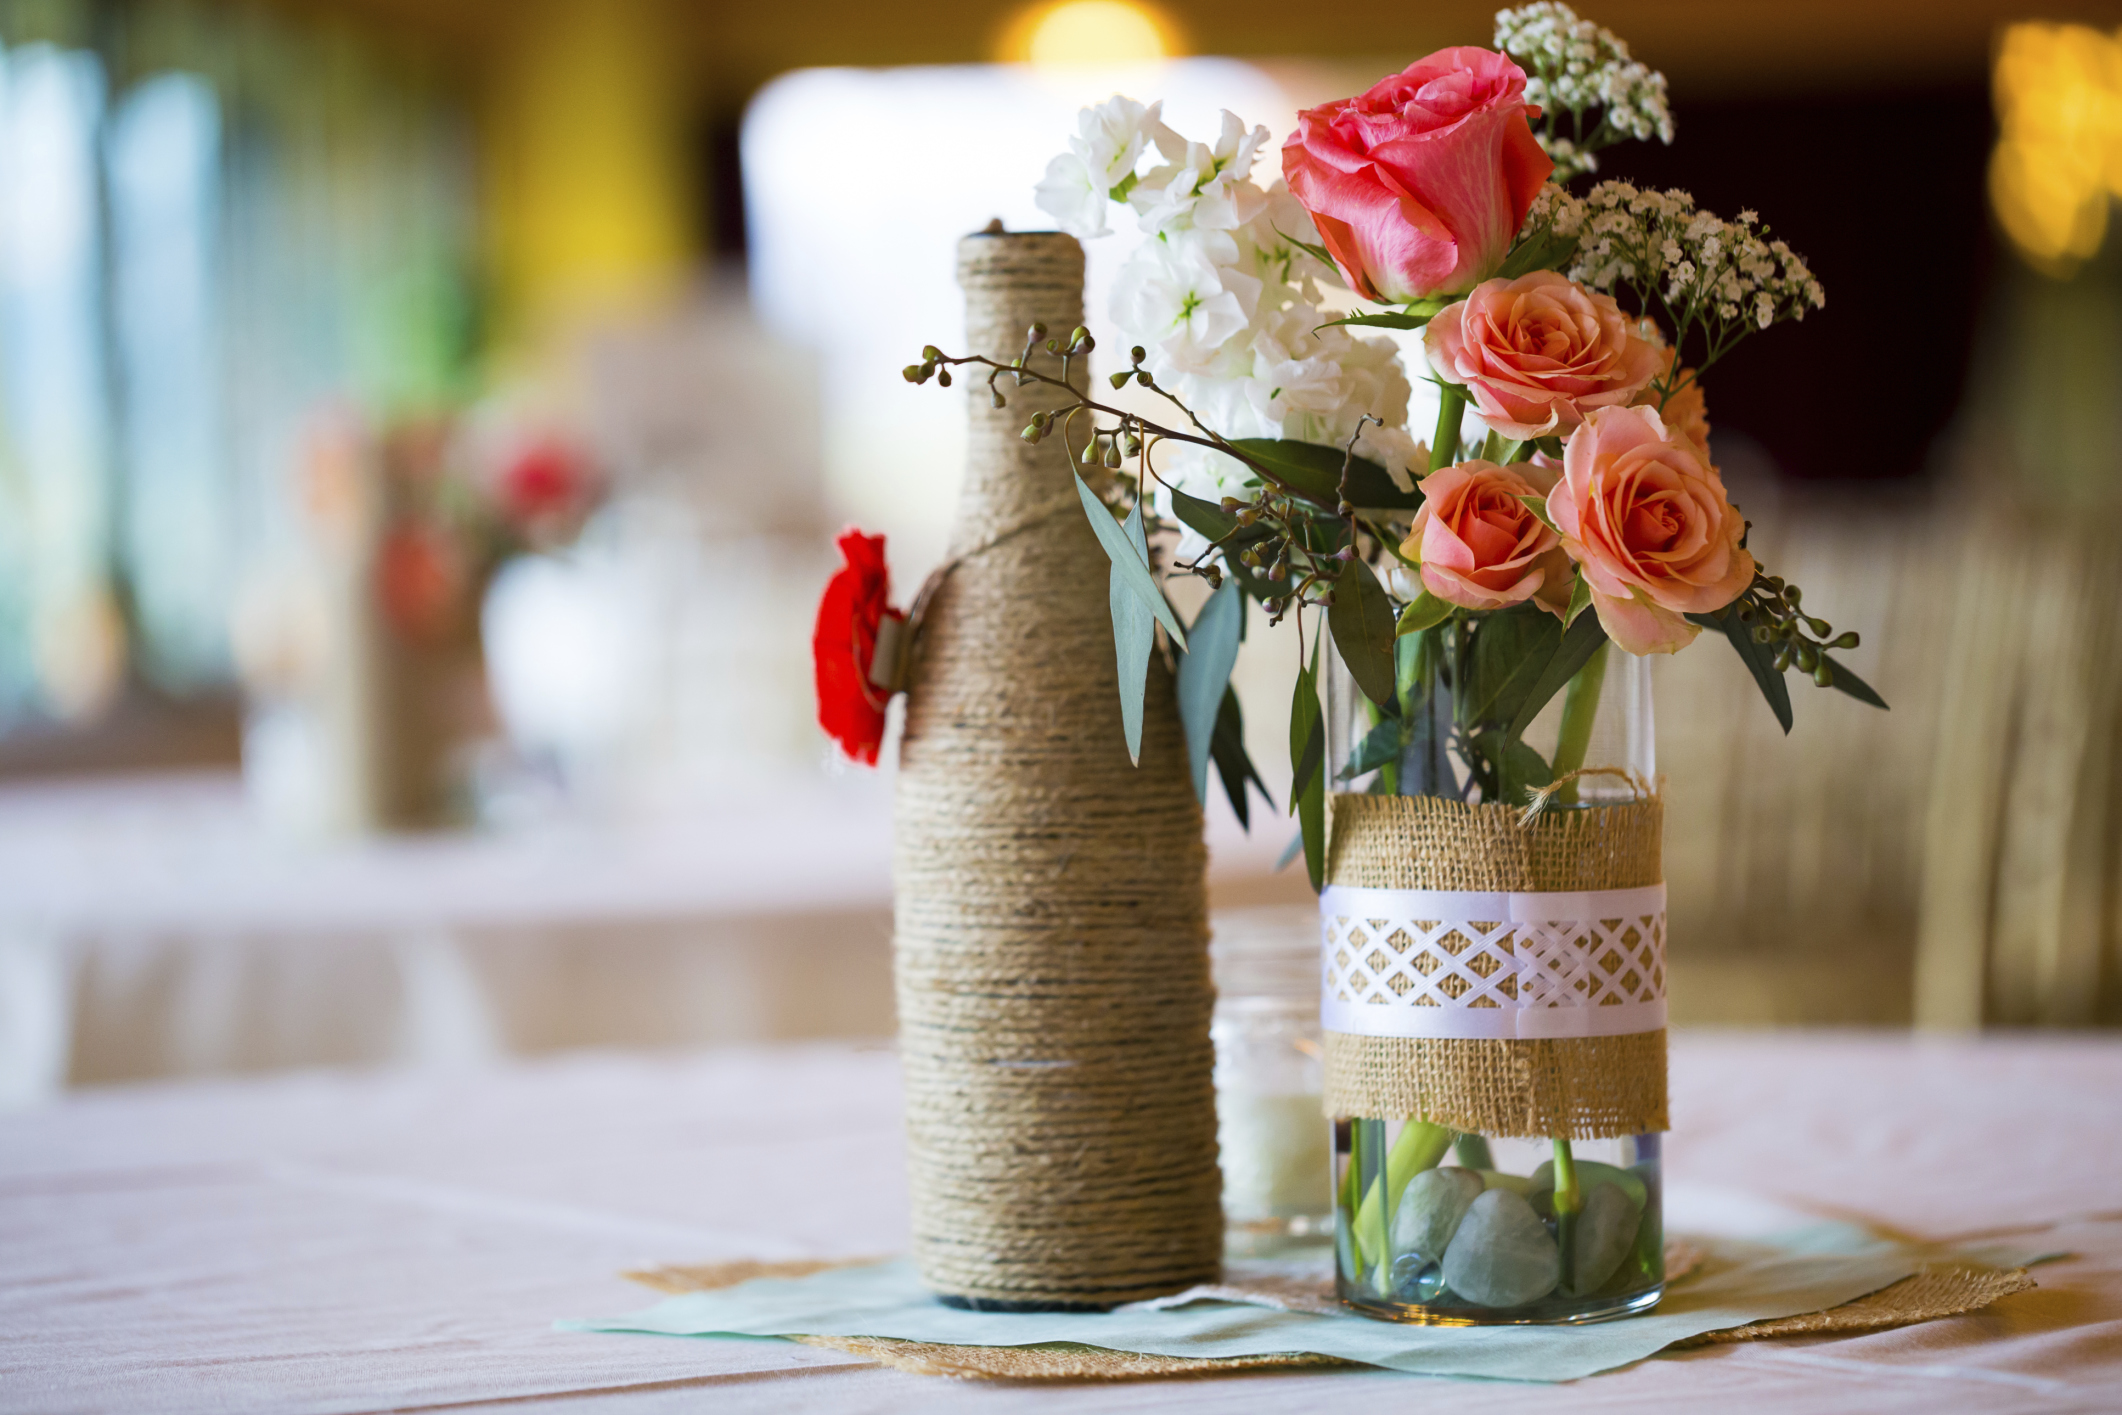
[{"x": 422, "y": 429}]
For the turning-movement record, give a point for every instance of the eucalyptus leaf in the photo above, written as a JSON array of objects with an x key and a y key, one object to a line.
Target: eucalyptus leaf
[
  {"x": 1850, "y": 683},
  {"x": 1579, "y": 642},
  {"x": 1381, "y": 746},
  {"x": 1516, "y": 767},
  {"x": 1130, "y": 557},
  {"x": 1134, "y": 635},
  {"x": 1511, "y": 650},
  {"x": 1424, "y": 611},
  {"x": 1204, "y": 517},
  {"x": 1307, "y": 748},
  {"x": 1233, "y": 763},
  {"x": 1307, "y": 734},
  {"x": 1312, "y": 470},
  {"x": 1204, "y": 674},
  {"x": 1361, "y": 618},
  {"x": 1758, "y": 658}
]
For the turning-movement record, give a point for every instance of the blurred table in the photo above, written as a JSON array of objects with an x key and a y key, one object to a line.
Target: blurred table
[
  {"x": 329, "y": 1243},
  {"x": 152, "y": 926}
]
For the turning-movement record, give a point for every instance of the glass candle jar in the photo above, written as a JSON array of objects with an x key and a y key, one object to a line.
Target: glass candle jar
[{"x": 1274, "y": 1139}]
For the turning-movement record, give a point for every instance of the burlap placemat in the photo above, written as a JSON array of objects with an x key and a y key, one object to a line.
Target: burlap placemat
[{"x": 1939, "y": 1290}]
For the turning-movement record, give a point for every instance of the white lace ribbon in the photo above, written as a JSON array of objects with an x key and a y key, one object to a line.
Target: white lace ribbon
[{"x": 1462, "y": 963}]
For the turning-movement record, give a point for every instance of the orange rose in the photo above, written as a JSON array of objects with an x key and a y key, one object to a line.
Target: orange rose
[
  {"x": 1645, "y": 517},
  {"x": 1685, "y": 412},
  {"x": 1539, "y": 352},
  {"x": 1478, "y": 544}
]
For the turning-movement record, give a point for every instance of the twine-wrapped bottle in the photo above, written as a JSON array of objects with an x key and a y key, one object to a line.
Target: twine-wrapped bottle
[{"x": 1051, "y": 926}]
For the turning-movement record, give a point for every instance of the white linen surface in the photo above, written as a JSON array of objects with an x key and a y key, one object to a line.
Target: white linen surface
[{"x": 337, "y": 1242}]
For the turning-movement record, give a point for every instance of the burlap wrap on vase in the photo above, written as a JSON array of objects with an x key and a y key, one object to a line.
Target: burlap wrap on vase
[
  {"x": 1051, "y": 949},
  {"x": 1580, "y": 1088}
]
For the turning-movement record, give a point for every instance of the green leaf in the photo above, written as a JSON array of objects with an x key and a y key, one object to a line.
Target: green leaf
[
  {"x": 1758, "y": 658},
  {"x": 1579, "y": 642},
  {"x": 1380, "y": 321},
  {"x": 1307, "y": 734},
  {"x": 1425, "y": 611},
  {"x": 1294, "y": 849},
  {"x": 1515, "y": 767},
  {"x": 1205, "y": 518},
  {"x": 1316, "y": 252},
  {"x": 1130, "y": 557},
  {"x": 1511, "y": 649},
  {"x": 1850, "y": 683},
  {"x": 1307, "y": 748},
  {"x": 1362, "y": 621},
  {"x": 1580, "y": 598},
  {"x": 1542, "y": 250},
  {"x": 1313, "y": 471},
  {"x": 1538, "y": 506},
  {"x": 1134, "y": 635},
  {"x": 1204, "y": 675},
  {"x": 1380, "y": 746},
  {"x": 1233, "y": 763}
]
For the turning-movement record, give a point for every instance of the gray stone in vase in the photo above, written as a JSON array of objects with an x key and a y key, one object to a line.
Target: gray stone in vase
[
  {"x": 1502, "y": 1255},
  {"x": 1606, "y": 1231},
  {"x": 1430, "y": 1209}
]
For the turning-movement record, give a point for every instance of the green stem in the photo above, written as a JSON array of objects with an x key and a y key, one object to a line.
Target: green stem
[
  {"x": 1580, "y": 708},
  {"x": 1568, "y": 1202},
  {"x": 1444, "y": 443}
]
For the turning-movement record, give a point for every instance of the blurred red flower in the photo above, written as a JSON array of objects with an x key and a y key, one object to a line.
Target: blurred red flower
[
  {"x": 549, "y": 479},
  {"x": 850, "y": 708}
]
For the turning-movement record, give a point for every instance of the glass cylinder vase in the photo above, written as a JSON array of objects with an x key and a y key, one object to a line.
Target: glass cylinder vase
[{"x": 1493, "y": 982}]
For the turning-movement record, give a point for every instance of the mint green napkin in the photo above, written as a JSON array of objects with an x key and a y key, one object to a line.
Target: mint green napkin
[{"x": 1806, "y": 1271}]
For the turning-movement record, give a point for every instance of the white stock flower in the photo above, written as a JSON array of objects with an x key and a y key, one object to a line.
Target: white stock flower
[
  {"x": 1175, "y": 296},
  {"x": 1202, "y": 187},
  {"x": 1109, "y": 142},
  {"x": 1073, "y": 197}
]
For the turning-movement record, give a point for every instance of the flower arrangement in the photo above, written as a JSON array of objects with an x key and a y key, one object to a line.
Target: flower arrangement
[{"x": 1566, "y": 498}]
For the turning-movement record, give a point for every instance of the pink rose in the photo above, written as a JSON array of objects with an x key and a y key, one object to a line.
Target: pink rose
[
  {"x": 1647, "y": 521},
  {"x": 1479, "y": 545},
  {"x": 1419, "y": 186},
  {"x": 1539, "y": 352}
]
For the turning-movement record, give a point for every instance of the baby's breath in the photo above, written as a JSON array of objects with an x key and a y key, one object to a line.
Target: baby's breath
[
  {"x": 1576, "y": 67},
  {"x": 1715, "y": 281}
]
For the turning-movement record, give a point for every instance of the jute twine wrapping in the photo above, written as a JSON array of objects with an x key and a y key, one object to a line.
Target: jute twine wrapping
[
  {"x": 1941, "y": 1290},
  {"x": 1052, "y": 934},
  {"x": 1582, "y": 1088}
]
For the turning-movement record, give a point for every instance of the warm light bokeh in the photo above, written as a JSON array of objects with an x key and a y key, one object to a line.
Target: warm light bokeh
[
  {"x": 1089, "y": 33},
  {"x": 2058, "y": 159}
]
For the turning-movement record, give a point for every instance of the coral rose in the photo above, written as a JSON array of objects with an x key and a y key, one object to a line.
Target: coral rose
[
  {"x": 1646, "y": 518},
  {"x": 856, "y": 600},
  {"x": 1480, "y": 547},
  {"x": 1419, "y": 185},
  {"x": 1539, "y": 352}
]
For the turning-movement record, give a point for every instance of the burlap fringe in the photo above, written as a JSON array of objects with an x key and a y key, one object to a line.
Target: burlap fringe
[
  {"x": 1583, "y": 1088},
  {"x": 1938, "y": 1291}
]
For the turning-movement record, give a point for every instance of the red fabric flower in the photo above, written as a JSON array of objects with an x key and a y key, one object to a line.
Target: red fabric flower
[{"x": 850, "y": 708}]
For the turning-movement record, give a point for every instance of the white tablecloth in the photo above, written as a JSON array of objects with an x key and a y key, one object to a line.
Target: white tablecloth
[
  {"x": 152, "y": 926},
  {"x": 328, "y": 1243}
]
